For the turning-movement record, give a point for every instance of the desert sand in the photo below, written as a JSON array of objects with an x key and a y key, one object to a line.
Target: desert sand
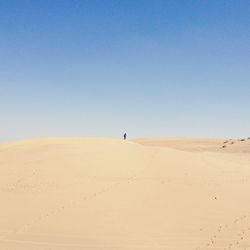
[{"x": 104, "y": 194}]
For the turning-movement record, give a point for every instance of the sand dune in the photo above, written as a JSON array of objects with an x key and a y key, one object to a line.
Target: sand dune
[
  {"x": 209, "y": 145},
  {"x": 89, "y": 193}
]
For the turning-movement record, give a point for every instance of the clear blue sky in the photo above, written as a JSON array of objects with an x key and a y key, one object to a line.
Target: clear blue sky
[{"x": 102, "y": 67}]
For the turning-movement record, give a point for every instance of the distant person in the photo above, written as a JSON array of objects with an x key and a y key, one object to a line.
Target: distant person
[{"x": 125, "y": 136}]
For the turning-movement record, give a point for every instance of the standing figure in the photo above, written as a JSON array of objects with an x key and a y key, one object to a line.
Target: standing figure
[{"x": 125, "y": 136}]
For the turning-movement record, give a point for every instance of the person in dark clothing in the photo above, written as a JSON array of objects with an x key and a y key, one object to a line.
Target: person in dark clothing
[{"x": 125, "y": 136}]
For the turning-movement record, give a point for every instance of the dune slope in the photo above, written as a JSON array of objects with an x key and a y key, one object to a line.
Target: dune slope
[{"x": 88, "y": 193}]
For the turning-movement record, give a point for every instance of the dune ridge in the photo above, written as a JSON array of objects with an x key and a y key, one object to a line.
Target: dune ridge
[{"x": 102, "y": 193}]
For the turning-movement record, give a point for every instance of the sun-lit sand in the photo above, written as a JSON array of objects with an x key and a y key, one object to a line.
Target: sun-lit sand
[{"x": 105, "y": 194}]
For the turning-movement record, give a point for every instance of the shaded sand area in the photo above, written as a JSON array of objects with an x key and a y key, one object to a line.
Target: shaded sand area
[{"x": 104, "y": 194}]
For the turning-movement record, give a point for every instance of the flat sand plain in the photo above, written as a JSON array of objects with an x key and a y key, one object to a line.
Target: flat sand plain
[{"x": 105, "y": 194}]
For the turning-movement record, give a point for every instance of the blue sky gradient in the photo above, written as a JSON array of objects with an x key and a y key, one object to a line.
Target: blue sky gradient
[{"x": 99, "y": 68}]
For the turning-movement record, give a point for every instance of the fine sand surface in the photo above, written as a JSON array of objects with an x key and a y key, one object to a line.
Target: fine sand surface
[{"x": 106, "y": 194}]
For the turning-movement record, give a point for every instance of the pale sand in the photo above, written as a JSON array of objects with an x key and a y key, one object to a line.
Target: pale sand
[{"x": 87, "y": 193}]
